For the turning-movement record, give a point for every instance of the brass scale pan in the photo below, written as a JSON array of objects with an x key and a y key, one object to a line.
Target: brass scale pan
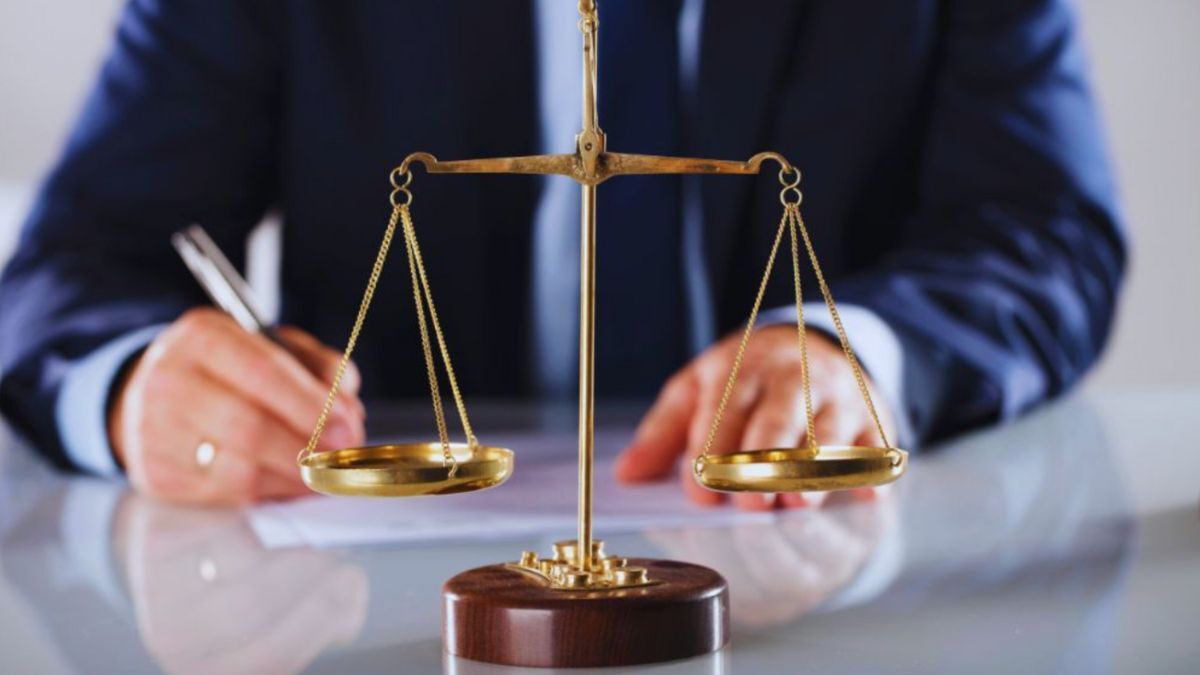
[
  {"x": 405, "y": 470},
  {"x": 416, "y": 469},
  {"x": 796, "y": 470}
]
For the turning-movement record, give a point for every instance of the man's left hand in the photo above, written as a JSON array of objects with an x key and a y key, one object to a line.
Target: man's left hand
[{"x": 766, "y": 410}]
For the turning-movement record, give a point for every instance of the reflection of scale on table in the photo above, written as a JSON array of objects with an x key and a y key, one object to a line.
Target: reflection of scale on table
[{"x": 584, "y": 606}]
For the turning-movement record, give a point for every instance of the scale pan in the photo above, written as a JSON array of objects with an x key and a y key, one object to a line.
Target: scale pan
[
  {"x": 408, "y": 470},
  {"x": 796, "y": 470}
]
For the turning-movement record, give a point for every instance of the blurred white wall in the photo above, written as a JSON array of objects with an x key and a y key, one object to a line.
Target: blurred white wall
[
  {"x": 49, "y": 52},
  {"x": 1146, "y": 58}
]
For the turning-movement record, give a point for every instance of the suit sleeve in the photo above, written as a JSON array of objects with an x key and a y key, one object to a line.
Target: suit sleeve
[
  {"x": 180, "y": 127},
  {"x": 1004, "y": 287}
]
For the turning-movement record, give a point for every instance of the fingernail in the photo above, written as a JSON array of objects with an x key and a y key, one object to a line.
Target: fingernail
[
  {"x": 349, "y": 409},
  {"x": 339, "y": 435},
  {"x": 815, "y": 498},
  {"x": 341, "y": 408}
]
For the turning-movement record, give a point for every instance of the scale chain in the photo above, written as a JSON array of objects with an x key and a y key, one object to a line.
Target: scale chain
[
  {"x": 793, "y": 222},
  {"x": 437, "y": 330},
  {"x": 422, "y": 295},
  {"x": 741, "y": 352},
  {"x": 802, "y": 336},
  {"x": 841, "y": 330},
  {"x": 368, "y": 295},
  {"x": 434, "y": 392}
]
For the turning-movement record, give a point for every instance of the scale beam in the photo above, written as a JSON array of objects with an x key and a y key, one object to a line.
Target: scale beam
[{"x": 607, "y": 165}]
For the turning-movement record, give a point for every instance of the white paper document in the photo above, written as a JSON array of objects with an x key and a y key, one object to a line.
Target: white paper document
[{"x": 539, "y": 499}]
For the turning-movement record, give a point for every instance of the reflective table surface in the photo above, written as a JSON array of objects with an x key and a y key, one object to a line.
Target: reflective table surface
[{"x": 1067, "y": 541}]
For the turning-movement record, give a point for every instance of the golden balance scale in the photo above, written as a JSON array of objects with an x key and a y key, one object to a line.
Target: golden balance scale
[{"x": 583, "y": 606}]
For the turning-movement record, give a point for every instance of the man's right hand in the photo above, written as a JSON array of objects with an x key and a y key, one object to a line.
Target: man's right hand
[{"x": 205, "y": 379}]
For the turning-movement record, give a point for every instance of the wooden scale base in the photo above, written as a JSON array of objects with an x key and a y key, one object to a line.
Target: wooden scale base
[{"x": 506, "y": 615}]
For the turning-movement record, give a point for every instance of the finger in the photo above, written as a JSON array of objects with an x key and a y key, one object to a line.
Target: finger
[
  {"x": 275, "y": 487},
  {"x": 692, "y": 488},
  {"x": 252, "y": 447},
  {"x": 851, "y": 496},
  {"x": 836, "y": 424},
  {"x": 661, "y": 436},
  {"x": 265, "y": 373},
  {"x": 235, "y": 424},
  {"x": 711, "y": 374},
  {"x": 778, "y": 420},
  {"x": 323, "y": 362},
  {"x": 231, "y": 479},
  {"x": 727, "y": 437},
  {"x": 839, "y": 424},
  {"x": 756, "y": 501},
  {"x": 793, "y": 500},
  {"x": 869, "y": 437},
  {"x": 799, "y": 500},
  {"x": 157, "y": 463},
  {"x": 694, "y": 491}
]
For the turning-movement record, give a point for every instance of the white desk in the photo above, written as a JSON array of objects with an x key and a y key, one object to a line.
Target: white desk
[{"x": 1067, "y": 542}]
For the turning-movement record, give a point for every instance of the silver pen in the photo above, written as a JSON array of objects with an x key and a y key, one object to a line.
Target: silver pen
[{"x": 220, "y": 280}]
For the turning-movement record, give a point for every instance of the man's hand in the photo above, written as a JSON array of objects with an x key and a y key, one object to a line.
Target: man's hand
[
  {"x": 766, "y": 410},
  {"x": 205, "y": 379}
]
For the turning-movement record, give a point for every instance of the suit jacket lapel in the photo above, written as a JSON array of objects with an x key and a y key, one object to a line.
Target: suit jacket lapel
[{"x": 742, "y": 62}]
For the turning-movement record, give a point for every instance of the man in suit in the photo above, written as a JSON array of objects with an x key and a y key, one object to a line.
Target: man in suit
[{"x": 955, "y": 181}]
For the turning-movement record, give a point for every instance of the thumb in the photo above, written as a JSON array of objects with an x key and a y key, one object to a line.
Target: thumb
[{"x": 662, "y": 435}]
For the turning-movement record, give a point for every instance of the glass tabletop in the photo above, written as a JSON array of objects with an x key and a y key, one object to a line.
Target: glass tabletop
[{"x": 1067, "y": 541}]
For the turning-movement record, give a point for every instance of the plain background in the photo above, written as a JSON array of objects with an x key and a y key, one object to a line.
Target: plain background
[{"x": 1145, "y": 57}]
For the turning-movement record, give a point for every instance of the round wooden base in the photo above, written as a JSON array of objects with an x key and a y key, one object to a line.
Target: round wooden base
[{"x": 500, "y": 615}]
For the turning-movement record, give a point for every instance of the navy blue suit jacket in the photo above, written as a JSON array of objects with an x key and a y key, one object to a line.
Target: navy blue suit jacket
[{"x": 954, "y": 174}]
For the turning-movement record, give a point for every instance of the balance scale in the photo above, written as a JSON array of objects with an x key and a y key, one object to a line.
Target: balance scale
[{"x": 582, "y": 605}]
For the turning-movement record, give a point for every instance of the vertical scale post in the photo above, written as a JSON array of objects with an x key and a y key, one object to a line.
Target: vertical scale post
[
  {"x": 590, "y": 143},
  {"x": 587, "y": 368},
  {"x": 487, "y": 616}
]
